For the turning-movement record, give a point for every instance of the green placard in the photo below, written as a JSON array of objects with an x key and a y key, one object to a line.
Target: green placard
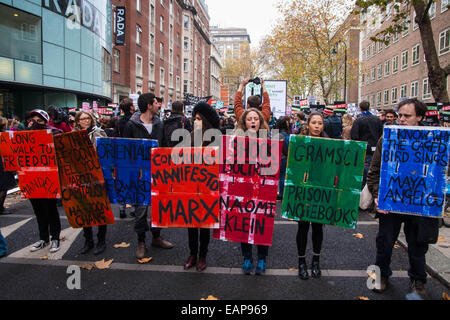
[{"x": 323, "y": 180}]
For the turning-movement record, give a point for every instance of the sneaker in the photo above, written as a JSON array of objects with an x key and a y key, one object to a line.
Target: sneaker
[
  {"x": 247, "y": 267},
  {"x": 55, "y": 246},
  {"x": 261, "y": 267},
  {"x": 41, "y": 244}
]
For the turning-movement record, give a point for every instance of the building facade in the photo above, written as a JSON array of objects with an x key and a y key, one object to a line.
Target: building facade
[
  {"x": 216, "y": 66},
  {"x": 54, "y": 53},
  {"x": 391, "y": 73},
  {"x": 230, "y": 41}
]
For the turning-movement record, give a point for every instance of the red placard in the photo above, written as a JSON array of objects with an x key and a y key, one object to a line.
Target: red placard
[
  {"x": 185, "y": 188},
  {"x": 249, "y": 180},
  {"x": 83, "y": 189},
  {"x": 32, "y": 155}
]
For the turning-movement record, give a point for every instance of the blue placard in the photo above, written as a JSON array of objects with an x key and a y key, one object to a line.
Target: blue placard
[
  {"x": 413, "y": 170},
  {"x": 126, "y": 165}
]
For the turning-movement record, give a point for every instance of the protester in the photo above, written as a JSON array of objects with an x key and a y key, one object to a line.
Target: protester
[
  {"x": 146, "y": 124},
  {"x": 382, "y": 116},
  {"x": 347, "y": 123},
  {"x": 252, "y": 122},
  {"x": 177, "y": 120},
  {"x": 369, "y": 128},
  {"x": 13, "y": 124},
  {"x": 59, "y": 119},
  {"x": 252, "y": 101},
  {"x": 72, "y": 119},
  {"x": 85, "y": 121},
  {"x": 205, "y": 118},
  {"x": 391, "y": 118},
  {"x": 411, "y": 112},
  {"x": 7, "y": 180},
  {"x": 272, "y": 121},
  {"x": 332, "y": 123},
  {"x": 107, "y": 124},
  {"x": 314, "y": 128},
  {"x": 283, "y": 125},
  {"x": 24, "y": 124},
  {"x": 300, "y": 121},
  {"x": 45, "y": 210}
]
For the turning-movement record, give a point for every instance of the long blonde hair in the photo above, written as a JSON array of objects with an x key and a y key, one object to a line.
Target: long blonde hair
[{"x": 347, "y": 120}]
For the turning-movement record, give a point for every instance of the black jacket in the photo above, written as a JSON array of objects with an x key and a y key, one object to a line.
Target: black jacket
[
  {"x": 175, "y": 121},
  {"x": 135, "y": 129},
  {"x": 121, "y": 123},
  {"x": 367, "y": 128}
]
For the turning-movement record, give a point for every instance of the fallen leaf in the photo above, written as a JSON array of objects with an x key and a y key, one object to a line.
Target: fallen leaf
[
  {"x": 145, "y": 260},
  {"x": 44, "y": 257},
  {"x": 210, "y": 298},
  {"x": 292, "y": 269},
  {"x": 445, "y": 296},
  {"x": 441, "y": 239},
  {"x": 396, "y": 245},
  {"x": 87, "y": 266},
  {"x": 358, "y": 235},
  {"x": 373, "y": 276},
  {"x": 363, "y": 298},
  {"x": 122, "y": 245},
  {"x": 102, "y": 264}
]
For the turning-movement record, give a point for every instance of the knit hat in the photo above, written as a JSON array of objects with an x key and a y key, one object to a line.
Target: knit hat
[
  {"x": 208, "y": 113},
  {"x": 328, "y": 111},
  {"x": 41, "y": 114}
]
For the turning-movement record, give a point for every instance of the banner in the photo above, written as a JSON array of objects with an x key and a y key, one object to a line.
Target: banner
[
  {"x": 249, "y": 180},
  {"x": 413, "y": 170},
  {"x": 120, "y": 27},
  {"x": 84, "y": 194},
  {"x": 126, "y": 165},
  {"x": 277, "y": 90},
  {"x": 323, "y": 180},
  {"x": 32, "y": 155},
  {"x": 191, "y": 100},
  {"x": 185, "y": 188}
]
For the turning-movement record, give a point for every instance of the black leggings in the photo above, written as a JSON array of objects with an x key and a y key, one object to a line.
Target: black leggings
[
  {"x": 47, "y": 218},
  {"x": 302, "y": 237},
  {"x": 193, "y": 241},
  {"x": 2, "y": 198}
]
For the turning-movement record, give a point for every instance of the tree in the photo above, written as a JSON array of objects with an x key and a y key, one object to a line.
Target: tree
[
  {"x": 401, "y": 10},
  {"x": 303, "y": 45}
]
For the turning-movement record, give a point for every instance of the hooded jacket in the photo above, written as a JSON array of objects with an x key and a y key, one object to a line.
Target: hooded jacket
[{"x": 135, "y": 129}]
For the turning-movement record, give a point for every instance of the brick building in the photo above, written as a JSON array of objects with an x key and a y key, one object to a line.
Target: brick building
[{"x": 390, "y": 73}]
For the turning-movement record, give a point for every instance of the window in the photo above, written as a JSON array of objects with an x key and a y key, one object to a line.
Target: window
[
  {"x": 138, "y": 34},
  {"x": 395, "y": 64},
  {"x": 432, "y": 11},
  {"x": 394, "y": 95},
  {"x": 178, "y": 83},
  {"x": 426, "y": 90},
  {"x": 162, "y": 2},
  {"x": 161, "y": 24},
  {"x": 170, "y": 80},
  {"x": 389, "y": 11},
  {"x": 416, "y": 55},
  {"x": 403, "y": 91},
  {"x": 186, "y": 65},
  {"x": 444, "y": 5},
  {"x": 161, "y": 77},
  {"x": 151, "y": 72},
  {"x": 368, "y": 53},
  {"x": 387, "y": 68},
  {"x": 138, "y": 66},
  {"x": 186, "y": 22},
  {"x": 406, "y": 24},
  {"x": 138, "y": 5},
  {"x": 405, "y": 59},
  {"x": 152, "y": 14},
  {"x": 161, "y": 50},
  {"x": 380, "y": 72},
  {"x": 185, "y": 86},
  {"x": 380, "y": 46},
  {"x": 116, "y": 60},
  {"x": 368, "y": 79},
  {"x": 372, "y": 74},
  {"x": 386, "y": 97},
  {"x": 379, "y": 98},
  {"x": 444, "y": 42},
  {"x": 396, "y": 37},
  {"x": 374, "y": 50},
  {"x": 414, "y": 89},
  {"x": 415, "y": 25},
  {"x": 152, "y": 43},
  {"x": 171, "y": 7},
  {"x": 186, "y": 44}
]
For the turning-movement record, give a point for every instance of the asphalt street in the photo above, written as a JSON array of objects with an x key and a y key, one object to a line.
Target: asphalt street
[{"x": 344, "y": 261}]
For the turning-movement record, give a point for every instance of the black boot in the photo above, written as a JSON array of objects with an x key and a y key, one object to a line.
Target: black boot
[
  {"x": 315, "y": 268},
  {"x": 88, "y": 245},
  {"x": 123, "y": 215},
  {"x": 302, "y": 269},
  {"x": 101, "y": 246}
]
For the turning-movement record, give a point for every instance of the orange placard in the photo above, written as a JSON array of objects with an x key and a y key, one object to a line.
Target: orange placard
[
  {"x": 32, "y": 155},
  {"x": 83, "y": 189},
  {"x": 185, "y": 188}
]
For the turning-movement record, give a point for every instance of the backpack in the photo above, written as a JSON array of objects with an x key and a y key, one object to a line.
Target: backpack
[{"x": 170, "y": 127}]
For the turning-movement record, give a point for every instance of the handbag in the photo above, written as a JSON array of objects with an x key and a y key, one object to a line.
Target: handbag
[{"x": 365, "y": 199}]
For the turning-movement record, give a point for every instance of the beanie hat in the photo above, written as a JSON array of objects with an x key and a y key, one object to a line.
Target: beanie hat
[
  {"x": 328, "y": 111},
  {"x": 208, "y": 113},
  {"x": 41, "y": 114}
]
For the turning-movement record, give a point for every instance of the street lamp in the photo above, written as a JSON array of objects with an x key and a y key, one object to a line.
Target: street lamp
[{"x": 345, "y": 61}]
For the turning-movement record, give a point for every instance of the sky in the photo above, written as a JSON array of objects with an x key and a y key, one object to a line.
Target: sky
[{"x": 257, "y": 16}]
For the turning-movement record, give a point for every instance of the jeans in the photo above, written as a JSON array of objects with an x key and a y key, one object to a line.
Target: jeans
[
  {"x": 141, "y": 224},
  {"x": 193, "y": 234},
  {"x": 3, "y": 246},
  {"x": 388, "y": 231},
  {"x": 263, "y": 251},
  {"x": 47, "y": 216}
]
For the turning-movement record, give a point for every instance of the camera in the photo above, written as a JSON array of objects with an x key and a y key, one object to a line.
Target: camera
[{"x": 255, "y": 80}]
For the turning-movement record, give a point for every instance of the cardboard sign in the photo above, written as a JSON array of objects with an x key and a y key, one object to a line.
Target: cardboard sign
[
  {"x": 185, "y": 187},
  {"x": 323, "y": 180},
  {"x": 32, "y": 155},
  {"x": 83, "y": 189},
  {"x": 413, "y": 170},
  {"x": 126, "y": 165},
  {"x": 249, "y": 177}
]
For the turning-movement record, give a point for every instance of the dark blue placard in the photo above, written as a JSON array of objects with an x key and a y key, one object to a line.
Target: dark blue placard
[
  {"x": 126, "y": 165},
  {"x": 413, "y": 170}
]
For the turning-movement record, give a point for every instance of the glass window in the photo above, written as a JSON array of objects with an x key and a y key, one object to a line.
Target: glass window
[
  {"x": 161, "y": 50},
  {"x": 414, "y": 89},
  {"x": 161, "y": 24},
  {"x": 426, "y": 91},
  {"x": 380, "y": 72},
  {"x": 20, "y": 35},
  {"x": 186, "y": 22},
  {"x": 395, "y": 64},
  {"x": 138, "y": 34},
  {"x": 138, "y": 5},
  {"x": 386, "y": 96},
  {"x": 403, "y": 91},
  {"x": 444, "y": 42},
  {"x": 394, "y": 95},
  {"x": 416, "y": 55},
  {"x": 432, "y": 11},
  {"x": 151, "y": 72},
  {"x": 138, "y": 66},
  {"x": 116, "y": 60},
  {"x": 161, "y": 76},
  {"x": 387, "y": 68},
  {"x": 444, "y": 5},
  {"x": 379, "y": 98},
  {"x": 405, "y": 59},
  {"x": 406, "y": 24}
]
